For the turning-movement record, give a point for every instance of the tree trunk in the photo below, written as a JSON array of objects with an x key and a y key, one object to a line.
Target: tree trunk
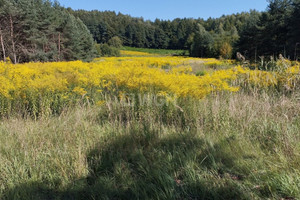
[
  {"x": 2, "y": 45},
  {"x": 12, "y": 39},
  {"x": 58, "y": 46}
]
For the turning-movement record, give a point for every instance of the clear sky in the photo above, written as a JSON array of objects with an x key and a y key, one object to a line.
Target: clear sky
[{"x": 169, "y": 9}]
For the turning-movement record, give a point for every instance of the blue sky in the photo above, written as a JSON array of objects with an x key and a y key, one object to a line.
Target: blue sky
[{"x": 169, "y": 9}]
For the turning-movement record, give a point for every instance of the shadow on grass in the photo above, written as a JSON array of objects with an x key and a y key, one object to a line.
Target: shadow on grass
[{"x": 145, "y": 165}]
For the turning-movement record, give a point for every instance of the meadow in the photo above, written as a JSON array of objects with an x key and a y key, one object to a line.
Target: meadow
[
  {"x": 146, "y": 126},
  {"x": 163, "y": 52}
]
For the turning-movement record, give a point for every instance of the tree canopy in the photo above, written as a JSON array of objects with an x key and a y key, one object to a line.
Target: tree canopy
[
  {"x": 273, "y": 32},
  {"x": 39, "y": 30}
]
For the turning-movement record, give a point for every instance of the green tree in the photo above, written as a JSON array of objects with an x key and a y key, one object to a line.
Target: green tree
[
  {"x": 248, "y": 42},
  {"x": 202, "y": 43},
  {"x": 115, "y": 42},
  {"x": 39, "y": 30}
]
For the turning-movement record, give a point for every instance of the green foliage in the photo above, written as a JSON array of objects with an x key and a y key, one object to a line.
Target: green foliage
[
  {"x": 79, "y": 44},
  {"x": 202, "y": 43},
  {"x": 36, "y": 30},
  {"x": 160, "y": 34},
  {"x": 200, "y": 73},
  {"x": 272, "y": 32},
  {"x": 115, "y": 42},
  {"x": 248, "y": 42},
  {"x": 43, "y": 32},
  {"x": 253, "y": 34},
  {"x": 106, "y": 50}
]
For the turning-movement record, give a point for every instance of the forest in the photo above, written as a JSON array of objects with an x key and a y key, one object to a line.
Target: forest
[
  {"x": 273, "y": 32},
  {"x": 39, "y": 30}
]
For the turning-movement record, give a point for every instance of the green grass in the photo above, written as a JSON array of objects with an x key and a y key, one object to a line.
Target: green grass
[
  {"x": 157, "y": 51},
  {"x": 228, "y": 146}
]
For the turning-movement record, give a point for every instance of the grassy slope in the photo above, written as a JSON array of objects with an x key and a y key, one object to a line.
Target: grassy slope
[
  {"x": 224, "y": 147},
  {"x": 157, "y": 51}
]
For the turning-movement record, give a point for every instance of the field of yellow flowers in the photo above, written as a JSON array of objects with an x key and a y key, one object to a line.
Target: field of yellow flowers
[
  {"x": 146, "y": 126},
  {"x": 47, "y": 87}
]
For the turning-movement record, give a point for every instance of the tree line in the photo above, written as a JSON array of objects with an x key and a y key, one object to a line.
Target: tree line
[
  {"x": 42, "y": 30},
  {"x": 254, "y": 34},
  {"x": 205, "y": 38},
  {"x": 274, "y": 32}
]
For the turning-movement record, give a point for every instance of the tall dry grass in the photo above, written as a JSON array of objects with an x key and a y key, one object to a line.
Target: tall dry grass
[{"x": 227, "y": 146}]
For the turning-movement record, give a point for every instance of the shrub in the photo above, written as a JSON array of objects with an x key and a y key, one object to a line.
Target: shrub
[
  {"x": 106, "y": 50},
  {"x": 115, "y": 42}
]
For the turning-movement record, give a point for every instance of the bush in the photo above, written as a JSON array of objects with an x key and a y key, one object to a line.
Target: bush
[
  {"x": 115, "y": 42},
  {"x": 106, "y": 50},
  {"x": 226, "y": 50}
]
